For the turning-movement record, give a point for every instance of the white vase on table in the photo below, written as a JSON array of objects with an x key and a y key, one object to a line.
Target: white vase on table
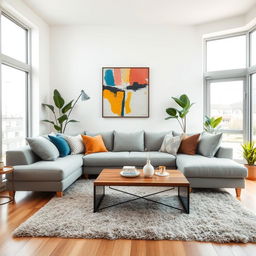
[{"x": 148, "y": 169}]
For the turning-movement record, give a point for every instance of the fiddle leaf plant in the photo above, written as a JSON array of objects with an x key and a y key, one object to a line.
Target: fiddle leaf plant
[
  {"x": 60, "y": 112},
  {"x": 180, "y": 114},
  {"x": 212, "y": 124},
  {"x": 249, "y": 152}
]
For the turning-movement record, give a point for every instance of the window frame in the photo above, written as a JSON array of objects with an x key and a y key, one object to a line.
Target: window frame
[
  {"x": 22, "y": 66},
  {"x": 208, "y": 104},
  {"x": 244, "y": 74}
]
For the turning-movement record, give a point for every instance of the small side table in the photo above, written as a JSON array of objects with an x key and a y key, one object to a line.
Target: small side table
[{"x": 7, "y": 170}]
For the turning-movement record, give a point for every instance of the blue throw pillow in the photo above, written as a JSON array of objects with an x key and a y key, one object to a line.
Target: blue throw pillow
[{"x": 61, "y": 145}]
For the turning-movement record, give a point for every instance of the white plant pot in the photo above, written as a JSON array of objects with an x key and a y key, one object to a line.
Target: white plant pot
[{"x": 148, "y": 169}]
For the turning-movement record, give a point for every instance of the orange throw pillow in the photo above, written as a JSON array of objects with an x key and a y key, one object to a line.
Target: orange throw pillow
[
  {"x": 93, "y": 144},
  {"x": 188, "y": 144}
]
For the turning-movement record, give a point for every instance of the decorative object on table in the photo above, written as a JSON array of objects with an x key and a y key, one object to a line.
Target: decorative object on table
[
  {"x": 171, "y": 144},
  {"x": 148, "y": 169},
  {"x": 125, "y": 92},
  {"x": 209, "y": 144},
  {"x": 249, "y": 153},
  {"x": 3, "y": 171},
  {"x": 180, "y": 114},
  {"x": 162, "y": 171},
  {"x": 61, "y": 117},
  {"x": 212, "y": 124},
  {"x": 129, "y": 171}
]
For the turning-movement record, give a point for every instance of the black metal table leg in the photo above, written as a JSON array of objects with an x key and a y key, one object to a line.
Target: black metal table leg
[
  {"x": 98, "y": 195},
  {"x": 184, "y": 197}
]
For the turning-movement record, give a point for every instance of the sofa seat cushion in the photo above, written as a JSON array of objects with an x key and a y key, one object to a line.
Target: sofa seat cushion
[
  {"x": 48, "y": 170},
  {"x": 156, "y": 159},
  {"x": 106, "y": 159},
  {"x": 197, "y": 166},
  {"x": 119, "y": 159}
]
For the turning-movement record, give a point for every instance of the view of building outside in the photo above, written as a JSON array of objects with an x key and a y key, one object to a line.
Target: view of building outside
[
  {"x": 13, "y": 108},
  {"x": 226, "y": 99}
]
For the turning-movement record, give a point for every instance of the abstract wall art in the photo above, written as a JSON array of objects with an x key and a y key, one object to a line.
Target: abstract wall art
[{"x": 125, "y": 92}]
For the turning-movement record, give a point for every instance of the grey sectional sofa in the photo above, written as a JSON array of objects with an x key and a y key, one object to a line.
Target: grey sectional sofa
[{"x": 33, "y": 174}]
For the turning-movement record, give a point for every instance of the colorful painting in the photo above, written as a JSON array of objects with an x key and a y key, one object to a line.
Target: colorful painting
[{"x": 125, "y": 92}]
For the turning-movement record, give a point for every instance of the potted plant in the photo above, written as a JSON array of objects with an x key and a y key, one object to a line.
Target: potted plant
[
  {"x": 61, "y": 111},
  {"x": 249, "y": 153},
  {"x": 180, "y": 114},
  {"x": 212, "y": 124}
]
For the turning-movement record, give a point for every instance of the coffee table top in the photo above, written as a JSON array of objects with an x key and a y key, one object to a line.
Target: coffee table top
[{"x": 112, "y": 177}]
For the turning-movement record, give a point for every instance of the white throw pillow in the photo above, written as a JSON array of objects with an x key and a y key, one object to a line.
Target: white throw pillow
[
  {"x": 75, "y": 143},
  {"x": 171, "y": 144}
]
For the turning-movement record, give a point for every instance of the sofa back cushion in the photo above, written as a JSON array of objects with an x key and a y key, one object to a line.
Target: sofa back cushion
[
  {"x": 133, "y": 141},
  {"x": 42, "y": 147},
  {"x": 154, "y": 140},
  {"x": 106, "y": 136}
]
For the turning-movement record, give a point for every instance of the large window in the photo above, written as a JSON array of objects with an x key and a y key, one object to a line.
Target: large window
[
  {"x": 14, "y": 83},
  {"x": 227, "y": 53},
  {"x": 230, "y": 87},
  {"x": 253, "y": 48},
  {"x": 230, "y": 108}
]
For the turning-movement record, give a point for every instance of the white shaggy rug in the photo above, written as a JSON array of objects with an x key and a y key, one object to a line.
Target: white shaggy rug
[{"x": 215, "y": 216}]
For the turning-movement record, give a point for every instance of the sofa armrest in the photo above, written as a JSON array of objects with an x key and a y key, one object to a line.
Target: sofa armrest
[
  {"x": 224, "y": 152},
  {"x": 21, "y": 156}
]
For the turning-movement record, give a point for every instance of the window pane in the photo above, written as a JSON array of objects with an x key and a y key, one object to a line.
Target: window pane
[
  {"x": 254, "y": 105},
  {"x": 227, "y": 53},
  {"x": 233, "y": 141},
  {"x": 226, "y": 100},
  {"x": 13, "y": 39},
  {"x": 253, "y": 48},
  {"x": 13, "y": 108}
]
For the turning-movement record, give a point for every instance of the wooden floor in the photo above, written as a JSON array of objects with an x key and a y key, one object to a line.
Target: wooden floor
[{"x": 27, "y": 203}]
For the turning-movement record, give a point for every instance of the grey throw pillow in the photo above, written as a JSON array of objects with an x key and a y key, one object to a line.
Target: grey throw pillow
[
  {"x": 44, "y": 148},
  {"x": 209, "y": 144},
  {"x": 171, "y": 144},
  {"x": 128, "y": 141}
]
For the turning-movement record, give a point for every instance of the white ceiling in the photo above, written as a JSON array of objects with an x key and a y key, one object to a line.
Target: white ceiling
[{"x": 125, "y": 12}]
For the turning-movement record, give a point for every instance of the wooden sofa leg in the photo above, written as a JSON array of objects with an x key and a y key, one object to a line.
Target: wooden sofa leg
[
  {"x": 238, "y": 192},
  {"x": 86, "y": 176},
  {"x": 59, "y": 194}
]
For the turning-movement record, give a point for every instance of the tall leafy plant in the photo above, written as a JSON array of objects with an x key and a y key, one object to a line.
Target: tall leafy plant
[
  {"x": 212, "y": 124},
  {"x": 60, "y": 112},
  {"x": 180, "y": 114},
  {"x": 249, "y": 152}
]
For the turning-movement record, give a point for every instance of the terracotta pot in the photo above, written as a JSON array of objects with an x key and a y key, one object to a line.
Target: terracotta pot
[{"x": 251, "y": 171}]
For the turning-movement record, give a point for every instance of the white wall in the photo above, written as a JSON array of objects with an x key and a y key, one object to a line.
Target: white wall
[
  {"x": 40, "y": 58},
  {"x": 172, "y": 52}
]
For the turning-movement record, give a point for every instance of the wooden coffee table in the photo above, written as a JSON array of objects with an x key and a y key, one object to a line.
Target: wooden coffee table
[{"x": 112, "y": 178}]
